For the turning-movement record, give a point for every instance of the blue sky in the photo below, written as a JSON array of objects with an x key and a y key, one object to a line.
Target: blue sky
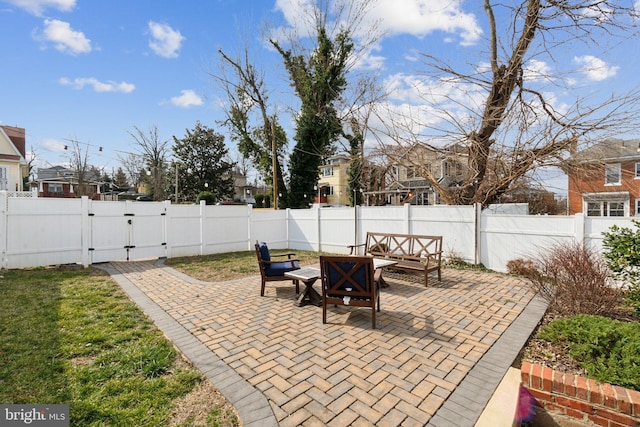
[{"x": 90, "y": 70}]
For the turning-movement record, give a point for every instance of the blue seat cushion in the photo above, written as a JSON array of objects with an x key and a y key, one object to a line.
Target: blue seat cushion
[
  {"x": 264, "y": 252},
  {"x": 279, "y": 268}
]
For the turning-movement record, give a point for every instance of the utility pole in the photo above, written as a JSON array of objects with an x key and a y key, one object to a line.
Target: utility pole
[{"x": 274, "y": 165}]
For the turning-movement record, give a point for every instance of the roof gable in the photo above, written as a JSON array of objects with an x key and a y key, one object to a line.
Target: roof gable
[
  {"x": 12, "y": 143},
  {"x": 611, "y": 149}
]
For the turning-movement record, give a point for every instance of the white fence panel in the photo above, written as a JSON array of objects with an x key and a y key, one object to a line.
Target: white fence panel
[
  {"x": 148, "y": 229},
  {"x": 382, "y": 219},
  {"x": 109, "y": 230},
  {"x": 43, "y": 232},
  {"x": 337, "y": 229},
  {"x": 456, "y": 225},
  {"x": 506, "y": 237},
  {"x": 304, "y": 231},
  {"x": 269, "y": 226},
  {"x": 595, "y": 226},
  {"x": 184, "y": 231},
  {"x": 225, "y": 228}
]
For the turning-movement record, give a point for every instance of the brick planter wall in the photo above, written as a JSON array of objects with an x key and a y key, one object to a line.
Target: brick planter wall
[{"x": 582, "y": 398}]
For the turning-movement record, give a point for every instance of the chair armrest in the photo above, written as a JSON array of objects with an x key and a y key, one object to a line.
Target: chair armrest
[
  {"x": 377, "y": 275},
  {"x": 352, "y": 247},
  {"x": 292, "y": 260},
  {"x": 288, "y": 255}
]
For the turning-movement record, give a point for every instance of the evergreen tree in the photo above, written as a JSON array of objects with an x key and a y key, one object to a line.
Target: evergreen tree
[
  {"x": 319, "y": 80},
  {"x": 203, "y": 164}
]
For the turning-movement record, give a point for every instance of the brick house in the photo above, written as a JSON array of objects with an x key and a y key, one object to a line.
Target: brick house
[{"x": 604, "y": 180}]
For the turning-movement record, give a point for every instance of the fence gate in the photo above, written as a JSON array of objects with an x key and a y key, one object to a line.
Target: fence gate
[{"x": 127, "y": 231}]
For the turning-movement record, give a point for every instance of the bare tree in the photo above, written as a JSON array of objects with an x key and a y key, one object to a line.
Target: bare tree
[
  {"x": 133, "y": 166},
  {"x": 78, "y": 159},
  {"x": 265, "y": 141},
  {"x": 506, "y": 120},
  {"x": 154, "y": 153}
]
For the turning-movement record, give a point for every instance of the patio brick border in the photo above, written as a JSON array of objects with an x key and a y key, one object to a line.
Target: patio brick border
[{"x": 582, "y": 398}]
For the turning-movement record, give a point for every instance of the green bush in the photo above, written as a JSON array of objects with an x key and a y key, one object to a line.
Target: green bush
[
  {"x": 609, "y": 350},
  {"x": 208, "y": 198},
  {"x": 622, "y": 255},
  {"x": 259, "y": 200},
  {"x": 267, "y": 201}
]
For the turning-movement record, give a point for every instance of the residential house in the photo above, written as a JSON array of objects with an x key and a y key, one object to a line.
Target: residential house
[
  {"x": 333, "y": 184},
  {"x": 13, "y": 164},
  {"x": 242, "y": 191},
  {"x": 406, "y": 181},
  {"x": 59, "y": 181},
  {"x": 604, "y": 180}
]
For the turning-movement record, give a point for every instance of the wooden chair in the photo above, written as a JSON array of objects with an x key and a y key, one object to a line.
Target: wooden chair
[
  {"x": 349, "y": 281},
  {"x": 273, "y": 271}
]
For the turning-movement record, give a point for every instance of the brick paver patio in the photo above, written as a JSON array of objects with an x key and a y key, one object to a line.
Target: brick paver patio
[{"x": 435, "y": 359}]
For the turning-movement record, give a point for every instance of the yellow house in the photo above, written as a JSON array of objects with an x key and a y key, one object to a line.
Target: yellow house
[
  {"x": 13, "y": 165},
  {"x": 333, "y": 184}
]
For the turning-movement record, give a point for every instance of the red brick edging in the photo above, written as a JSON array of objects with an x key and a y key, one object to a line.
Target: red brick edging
[{"x": 582, "y": 398}]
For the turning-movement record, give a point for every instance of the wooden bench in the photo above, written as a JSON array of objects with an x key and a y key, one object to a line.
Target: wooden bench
[{"x": 413, "y": 252}]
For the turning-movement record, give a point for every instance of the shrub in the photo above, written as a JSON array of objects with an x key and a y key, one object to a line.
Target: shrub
[
  {"x": 572, "y": 278},
  {"x": 208, "y": 198},
  {"x": 267, "y": 201},
  {"x": 521, "y": 267},
  {"x": 609, "y": 350},
  {"x": 622, "y": 254},
  {"x": 259, "y": 200}
]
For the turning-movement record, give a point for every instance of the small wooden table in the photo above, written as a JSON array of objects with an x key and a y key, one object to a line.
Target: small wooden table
[
  {"x": 381, "y": 263},
  {"x": 308, "y": 276}
]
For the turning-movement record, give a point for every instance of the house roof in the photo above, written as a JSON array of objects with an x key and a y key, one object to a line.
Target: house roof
[
  {"x": 610, "y": 150},
  {"x": 61, "y": 173},
  {"x": 16, "y": 137}
]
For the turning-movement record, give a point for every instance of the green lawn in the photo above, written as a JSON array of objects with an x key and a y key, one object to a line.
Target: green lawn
[
  {"x": 231, "y": 265},
  {"x": 71, "y": 336}
]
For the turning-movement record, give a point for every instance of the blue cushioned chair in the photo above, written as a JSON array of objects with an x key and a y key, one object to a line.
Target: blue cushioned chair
[
  {"x": 350, "y": 281},
  {"x": 273, "y": 271}
]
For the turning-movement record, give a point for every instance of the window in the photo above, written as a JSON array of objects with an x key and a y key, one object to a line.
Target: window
[
  {"x": 4, "y": 181},
  {"x": 606, "y": 208},
  {"x": 327, "y": 171},
  {"x": 616, "y": 209},
  {"x": 638, "y": 170},
  {"x": 612, "y": 174},
  {"x": 451, "y": 168},
  {"x": 329, "y": 191},
  {"x": 55, "y": 187},
  {"x": 637, "y": 207}
]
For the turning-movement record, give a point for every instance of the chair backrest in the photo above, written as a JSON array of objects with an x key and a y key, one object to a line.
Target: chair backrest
[
  {"x": 347, "y": 275},
  {"x": 262, "y": 251}
]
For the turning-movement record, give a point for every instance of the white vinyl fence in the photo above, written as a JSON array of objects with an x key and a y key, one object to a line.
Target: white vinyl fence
[{"x": 48, "y": 231}]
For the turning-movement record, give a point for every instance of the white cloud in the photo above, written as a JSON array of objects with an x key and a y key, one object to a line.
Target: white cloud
[
  {"x": 187, "y": 98},
  {"x": 416, "y": 17},
  {"x": 64, "y": 38},
  {"x": 53, "y": 145},
  {"x": 595, "y": 68},
  {"x": 536, "y": 70},
  {"x": 370, "y": 61},
  {"x": 98, "y": 86},
  {"x": 165, "y": 41},
  {"x": 36, "y": 7}
]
